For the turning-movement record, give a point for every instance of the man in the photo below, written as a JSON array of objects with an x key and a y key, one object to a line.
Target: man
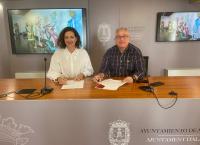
[{"x": 122, "y": 60}]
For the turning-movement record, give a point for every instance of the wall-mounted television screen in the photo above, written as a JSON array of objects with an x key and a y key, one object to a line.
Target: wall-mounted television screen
[
  {"x": 178, "y": 26},
  {"x": 37, "y": 30}
]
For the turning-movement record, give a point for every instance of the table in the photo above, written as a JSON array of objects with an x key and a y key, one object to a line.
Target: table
[{"x": 186, "y": 87}]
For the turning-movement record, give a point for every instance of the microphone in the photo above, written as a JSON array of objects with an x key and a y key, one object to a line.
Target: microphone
[
  {"x": 150, "y": 86},
  {"x": 45, "y": 90},
  {"x": 147, "y": 88}
]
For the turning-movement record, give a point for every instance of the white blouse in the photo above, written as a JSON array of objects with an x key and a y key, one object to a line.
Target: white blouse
[{"x": 67, "y": 64}]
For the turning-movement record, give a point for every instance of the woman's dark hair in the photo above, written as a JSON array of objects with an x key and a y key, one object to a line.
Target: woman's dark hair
[{"x": 61, "y": 42}]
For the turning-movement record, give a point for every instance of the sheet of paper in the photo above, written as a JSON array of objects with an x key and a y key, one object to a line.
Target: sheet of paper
[
  {"x": 71, "y": 84},
  {"x": 110, "y": 84}
]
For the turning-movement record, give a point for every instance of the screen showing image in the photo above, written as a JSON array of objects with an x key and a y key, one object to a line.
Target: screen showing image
[
  {"x": 178, "y": 26},
  {"x": 37, "y": 30}
]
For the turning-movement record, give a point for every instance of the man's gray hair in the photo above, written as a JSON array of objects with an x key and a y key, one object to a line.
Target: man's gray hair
[{"x": 121, "y": 29}]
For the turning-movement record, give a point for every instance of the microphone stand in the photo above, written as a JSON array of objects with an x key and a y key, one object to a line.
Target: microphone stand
[{"x": 45, "y": 90}]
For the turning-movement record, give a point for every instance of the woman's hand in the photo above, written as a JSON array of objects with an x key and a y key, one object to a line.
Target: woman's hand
[{"x": 62, "y": 80}]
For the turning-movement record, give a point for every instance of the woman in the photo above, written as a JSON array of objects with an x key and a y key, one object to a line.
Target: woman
[{"x": 69, "y": 62}]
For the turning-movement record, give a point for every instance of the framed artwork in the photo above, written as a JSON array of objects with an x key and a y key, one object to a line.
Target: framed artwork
[
  {"x": 178, "y": 26},
  {"x": 35, "y": 31}
]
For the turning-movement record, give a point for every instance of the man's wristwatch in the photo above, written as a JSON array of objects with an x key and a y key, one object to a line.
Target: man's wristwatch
[{"x": 134, "y": 77}]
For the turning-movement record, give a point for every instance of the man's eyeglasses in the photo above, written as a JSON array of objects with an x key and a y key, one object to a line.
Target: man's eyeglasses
[{"x": 122, "y": 37}]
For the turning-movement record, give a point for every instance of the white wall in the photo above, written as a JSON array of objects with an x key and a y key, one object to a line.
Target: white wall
[
  {"x": 4, "y": 52},
  {"x": 142, "y": 14},
  {"x": 130, "y": 13},
  {"x": 30, "y": 62}
]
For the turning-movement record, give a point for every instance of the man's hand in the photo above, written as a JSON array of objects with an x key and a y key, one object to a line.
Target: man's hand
[
  {"x": 79, "y": 77},
  {"x": 128, "y": 80},
  {"x": 99, "y": 77}
]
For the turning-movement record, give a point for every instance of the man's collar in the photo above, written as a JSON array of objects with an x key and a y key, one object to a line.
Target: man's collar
[{"x": 125, "y": 50}]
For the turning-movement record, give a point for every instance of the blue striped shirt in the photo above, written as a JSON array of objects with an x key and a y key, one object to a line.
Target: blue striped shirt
[{"x": 128, "y": 63}]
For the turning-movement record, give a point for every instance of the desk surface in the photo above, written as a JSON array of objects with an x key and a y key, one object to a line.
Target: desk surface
[{"x": 186, "y": 87}]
